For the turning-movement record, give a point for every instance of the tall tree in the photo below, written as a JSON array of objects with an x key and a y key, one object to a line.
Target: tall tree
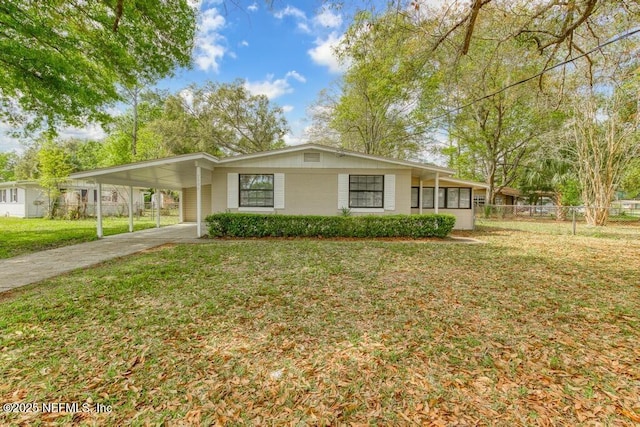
[
  {"x": 222, "y": 119},
  {"x": 382, "y": 92},
  {"x": 54, "y": 167},
  {"x": 62, "y": 61},
  {"x": 133, "y": 129},
  {"x": 555, "y": 176},
  {"x": 605, "y": 141},
  {"x": 494, "y": 131},
  {"x": 7, "y": 166}
]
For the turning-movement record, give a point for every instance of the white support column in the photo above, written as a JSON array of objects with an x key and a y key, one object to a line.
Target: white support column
[
  {"x": 199, "y": 201},
  {"x": 420, "y": 196},
  {"x": 436, "y": 195},
  {"x": 180, "y": 217},
  {"x": 473, "y": 211},
  {"x": 158, "y": 203},
  {"x": 99, "y": 211},
  {"x": 130, "y": 209}
]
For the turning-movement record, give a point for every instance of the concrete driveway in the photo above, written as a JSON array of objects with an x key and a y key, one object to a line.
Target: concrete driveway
[{"x": 26, "y": 269}]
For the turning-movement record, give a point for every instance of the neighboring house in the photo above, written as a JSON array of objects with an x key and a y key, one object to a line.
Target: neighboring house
[
  {"x": 23, "y": 199},
  {"x": 507, "y": 196},
  {"x": 27, "y": 199},
  {"x": 306, "y": 179}
]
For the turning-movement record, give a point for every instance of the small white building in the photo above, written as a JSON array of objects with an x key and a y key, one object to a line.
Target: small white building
[{"x": 23, "y": 199}]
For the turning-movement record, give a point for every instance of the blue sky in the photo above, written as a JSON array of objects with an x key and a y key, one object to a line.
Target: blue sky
[{"x": 283, "y": 52}]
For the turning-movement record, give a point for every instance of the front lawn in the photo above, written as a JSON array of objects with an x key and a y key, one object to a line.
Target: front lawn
[
  {"x": 526, "y": 329},
  {"x": 20, "y": 236}
]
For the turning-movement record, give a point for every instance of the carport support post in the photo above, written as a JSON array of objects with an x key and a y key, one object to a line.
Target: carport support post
[
  {"x": 130, "y": 209},
  {"x": 158, "y": 201},
  {"x": 420, "y": 196},
  {"x": 180, "y": 218},
  {"x": 99, "y": 211},
  {"x": 198, "y": 201},
  {"x": 436, "y": 194}
]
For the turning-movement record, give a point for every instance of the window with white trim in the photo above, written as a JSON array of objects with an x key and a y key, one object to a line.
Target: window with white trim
[
  {"x": 366, "y": 191},
  {"x": 13, "y": 194},
  {"x": 3, "y": 196},
  {"x": 256, "y": 190}
]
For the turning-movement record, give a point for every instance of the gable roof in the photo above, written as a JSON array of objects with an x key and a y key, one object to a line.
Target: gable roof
[
  {"x": 179, "y": 171},
  {"x": 338, "y": 151}
]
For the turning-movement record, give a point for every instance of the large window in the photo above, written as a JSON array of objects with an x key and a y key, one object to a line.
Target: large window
[
  {"x": 14, "y": 195},
  {"x": 427, "y": 197},
  {"x": 256, "y": 190},
  {"x": 366, "y": 191},
  {"x": 448, "y": 197},
  {"x": 415, "y": 197}
]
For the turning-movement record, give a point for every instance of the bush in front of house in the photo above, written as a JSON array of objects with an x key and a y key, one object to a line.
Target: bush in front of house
[{"x": 274, "y": 225}]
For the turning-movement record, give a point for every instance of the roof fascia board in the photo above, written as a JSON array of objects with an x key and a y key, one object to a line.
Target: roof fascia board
[
  {"x": 95, "y": 173},
  {"x": 333, "y": 150}
]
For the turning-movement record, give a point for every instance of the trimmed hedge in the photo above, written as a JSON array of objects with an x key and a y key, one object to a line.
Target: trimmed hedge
[{"x": 274, "y": 225}]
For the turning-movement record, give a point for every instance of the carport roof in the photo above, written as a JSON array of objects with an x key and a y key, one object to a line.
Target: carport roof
[{"x": 169, "y": 173}]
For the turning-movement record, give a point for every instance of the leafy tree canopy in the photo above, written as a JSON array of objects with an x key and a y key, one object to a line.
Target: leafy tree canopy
[
  {"x": 63, "y": 60},
  {"x": 7, "y": 165},
  {"x": 221, "y": 119}
]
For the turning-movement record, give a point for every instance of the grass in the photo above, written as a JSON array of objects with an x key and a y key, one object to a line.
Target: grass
[
  {"x": 21, "y": 236},
  {"x": 624, "y": 230},
  {"x": 526, "y": 329}
]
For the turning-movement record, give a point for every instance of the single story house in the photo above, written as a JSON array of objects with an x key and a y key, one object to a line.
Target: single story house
[
  {"x": 27, "y": 199},
  {"x": 307, "y": 179},
  {"x": 22, "y": 199}
]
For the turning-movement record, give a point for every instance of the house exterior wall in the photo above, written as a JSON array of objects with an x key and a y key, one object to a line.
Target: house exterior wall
[
  {"x": 35, "y": 203},
  {"x": 309, "y": 192},
  {"x": 16, "y": 209},
  {"x": 189, "y": 201}
]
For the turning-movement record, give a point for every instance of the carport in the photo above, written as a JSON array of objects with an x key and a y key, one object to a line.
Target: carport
[{"x": 172, "y": 173}]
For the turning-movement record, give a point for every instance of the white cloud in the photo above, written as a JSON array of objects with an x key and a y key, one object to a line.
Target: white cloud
[
  {"x": 244, "y": 43},
  {"x": 291, "y": 11},
  {"x": 291, "y": 139},
  {"x": 269, "y": 87},
  {"x": 299, "y": 77},
  {"x": 253, "y": 7},
  {"x": 297, "y": 14},
  {"x": 287, "y": 108},
  {"x": 302, "y": 26},
  {"x": 209, "y": 43},
  {"x": 91, "y": 131},
  {"x": 274, "y": 88},
  {"x": 326, "y": 18},
  {"x": 323, "y": 54},
  {"x": 187, "y": 96}
]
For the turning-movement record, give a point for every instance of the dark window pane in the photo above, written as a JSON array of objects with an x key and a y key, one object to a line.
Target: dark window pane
[{"x": 453, "y": 198}]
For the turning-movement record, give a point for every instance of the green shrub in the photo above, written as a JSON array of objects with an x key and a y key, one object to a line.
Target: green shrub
[{"x": 261, "y": 225}]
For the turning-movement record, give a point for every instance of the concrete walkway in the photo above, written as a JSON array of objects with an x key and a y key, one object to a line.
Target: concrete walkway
[{"x": 31, "y": 268}]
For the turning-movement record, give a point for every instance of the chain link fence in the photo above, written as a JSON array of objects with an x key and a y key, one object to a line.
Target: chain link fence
[
  {"x": 140, "y": 210},
  {"x": 568, "y": 219}
]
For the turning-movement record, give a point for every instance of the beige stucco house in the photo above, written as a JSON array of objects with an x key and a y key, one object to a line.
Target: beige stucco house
[{"x": 306, "y": 179}]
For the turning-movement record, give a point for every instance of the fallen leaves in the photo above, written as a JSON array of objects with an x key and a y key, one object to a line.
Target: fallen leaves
[{"x": 524, "y": 330}]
